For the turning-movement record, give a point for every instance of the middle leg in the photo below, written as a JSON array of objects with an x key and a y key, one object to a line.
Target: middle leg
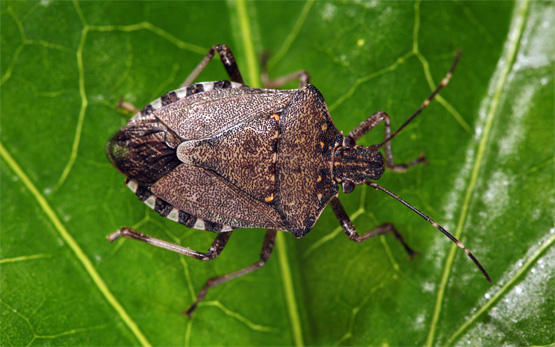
[{"x": 351, "y": 232}]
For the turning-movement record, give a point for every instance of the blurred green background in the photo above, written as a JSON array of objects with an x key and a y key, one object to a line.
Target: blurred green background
[{"x": 489, "y": 139}]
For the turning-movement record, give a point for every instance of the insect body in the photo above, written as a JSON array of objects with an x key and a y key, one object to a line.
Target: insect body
[{"x": 220, "y": 156}]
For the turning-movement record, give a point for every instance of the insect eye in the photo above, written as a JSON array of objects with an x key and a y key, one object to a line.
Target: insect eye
[
  {"x": 348, "y": 142},
  {"x": 348, "y": 187}
]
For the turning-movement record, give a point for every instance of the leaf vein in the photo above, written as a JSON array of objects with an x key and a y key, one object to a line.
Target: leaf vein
[
  {"x": 239, "y": 317},
  {"x": 282, "y": 51},
  {"x": 73, "y": 245},
  {"x": 24, "y": 258},
  {"x": 504, "y": 66},
  {"x": 525, "y": 267},
  {"x": 82, "y": 111}
]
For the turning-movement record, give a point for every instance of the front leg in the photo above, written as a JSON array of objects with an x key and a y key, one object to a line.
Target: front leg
[
  {"x": 380, "y": 116},
  {"x": 368, "y": 125},
  {"x": 351, "y": 232}
]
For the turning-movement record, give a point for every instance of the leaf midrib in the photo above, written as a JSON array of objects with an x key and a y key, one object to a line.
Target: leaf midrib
[{"x": 253, "y": 79}]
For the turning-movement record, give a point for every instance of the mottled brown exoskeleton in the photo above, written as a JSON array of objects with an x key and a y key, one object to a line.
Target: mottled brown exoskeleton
[{"x": 220, "y": 156}]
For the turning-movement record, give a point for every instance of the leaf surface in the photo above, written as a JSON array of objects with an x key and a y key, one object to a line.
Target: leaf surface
[{"x": 488, "y": 138}]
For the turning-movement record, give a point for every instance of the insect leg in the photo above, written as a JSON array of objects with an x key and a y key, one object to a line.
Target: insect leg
[
  {"x": 380, "y": 116},
  {"x": 215, "y": 249},
  {"x": 301, "y": 75},
  {"x": 368, "y": 125},
  {"x": 127, "y": 106},
  {"x": 267, "y": 248},
  {"x": 228, "y": 60},
  {"x": 351, "y": 232}
]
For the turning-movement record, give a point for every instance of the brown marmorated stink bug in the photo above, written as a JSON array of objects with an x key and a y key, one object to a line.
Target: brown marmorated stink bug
[{"x": 220, "y": 156}]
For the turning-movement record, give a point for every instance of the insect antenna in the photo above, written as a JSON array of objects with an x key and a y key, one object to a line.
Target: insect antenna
[
  {"x": 439, "y": 227},
  {"x": 428, "y": 100}
]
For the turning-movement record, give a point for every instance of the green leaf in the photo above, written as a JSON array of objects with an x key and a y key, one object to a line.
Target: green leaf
[{"x": 488, "y": 138}]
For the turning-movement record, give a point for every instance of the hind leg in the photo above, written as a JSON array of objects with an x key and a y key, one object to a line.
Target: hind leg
[{"x": 267, "y": 248}]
